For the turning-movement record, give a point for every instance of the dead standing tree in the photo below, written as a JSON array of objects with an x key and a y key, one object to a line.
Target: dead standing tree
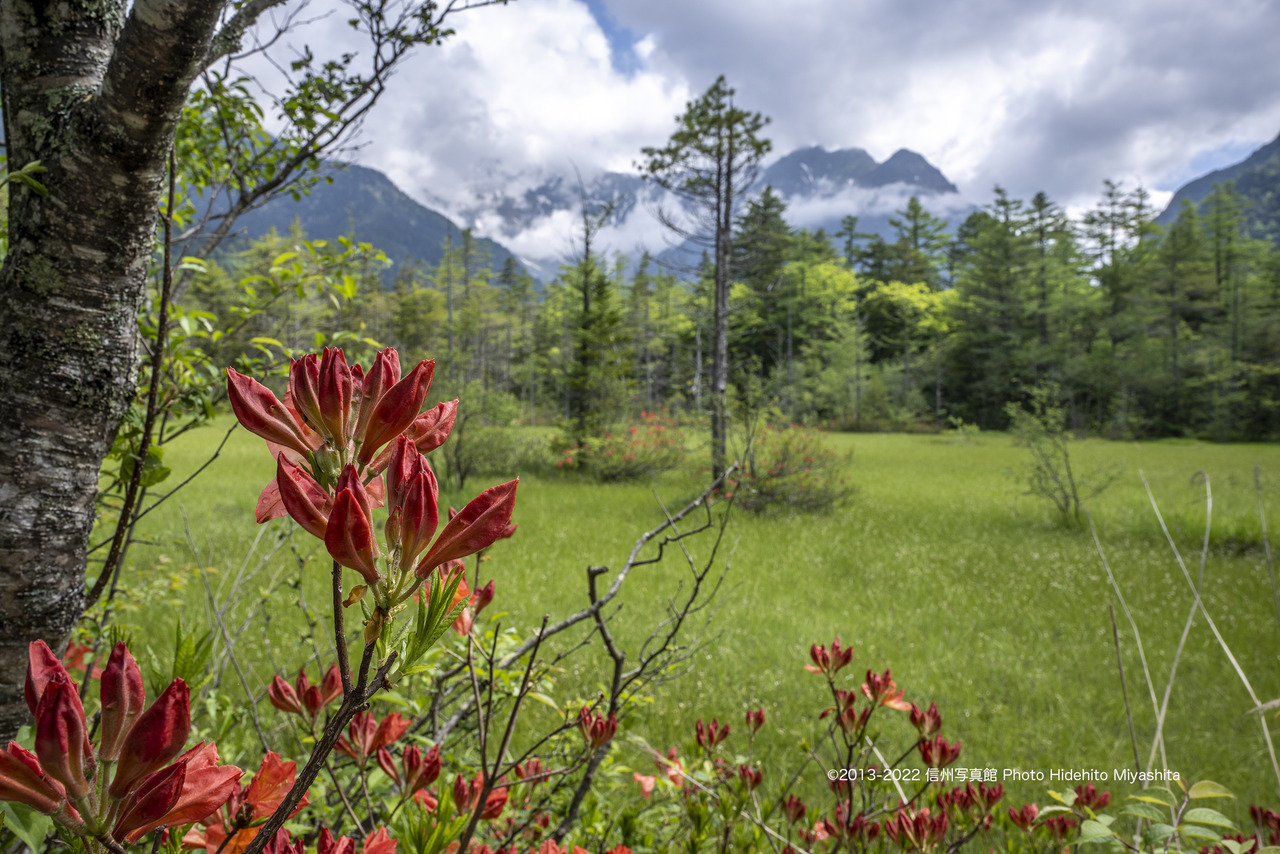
[{"x": 710, "y": 162}]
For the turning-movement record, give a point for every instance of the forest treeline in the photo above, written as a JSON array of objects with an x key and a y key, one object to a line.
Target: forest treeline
[{"x": 1146, "y": 331}]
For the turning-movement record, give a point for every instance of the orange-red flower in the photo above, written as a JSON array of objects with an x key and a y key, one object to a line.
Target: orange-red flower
[
  {"x": 881, "y": 690},
  {"x": 829, "y": 662},
  {"x": 242, "y": 810},
  {"x": 367, "y": 734}
]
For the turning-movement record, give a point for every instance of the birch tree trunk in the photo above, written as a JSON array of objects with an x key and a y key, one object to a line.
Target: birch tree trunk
[{"x": 94, "y": 95}]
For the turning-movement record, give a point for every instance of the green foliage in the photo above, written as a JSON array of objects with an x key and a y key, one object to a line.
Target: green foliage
[
  {"x": 652, "y": 445},
  {"x": 1040, "y": 427},
  {"x": 790, "y": 469},
  {"x": 188, "y": 660}
]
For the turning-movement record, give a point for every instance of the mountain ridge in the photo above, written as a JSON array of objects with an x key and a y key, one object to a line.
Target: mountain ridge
[{"x": 1257, "y": 178}]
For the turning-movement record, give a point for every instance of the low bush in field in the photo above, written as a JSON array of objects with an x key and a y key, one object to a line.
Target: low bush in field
[
  {"x": 790, "y": 469},
  {"x": 653, "y": 444}
]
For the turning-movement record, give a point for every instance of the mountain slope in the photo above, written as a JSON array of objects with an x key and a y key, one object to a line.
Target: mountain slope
[
  {"x": 1257, "y": 178},
  {"x": 365, "y": 203}
]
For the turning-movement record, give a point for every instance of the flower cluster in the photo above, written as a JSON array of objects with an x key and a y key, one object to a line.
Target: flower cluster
[
  {"x": 790, "y": 469},
  {"x": 653, "y": 445},
  {"x": 596, "y": 729},
  {"x": 347, "y": 442},
  {"x": 137, "y": 779}
]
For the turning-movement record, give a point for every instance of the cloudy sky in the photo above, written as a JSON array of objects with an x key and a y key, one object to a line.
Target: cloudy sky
[{"x": 1052, "y": 96}]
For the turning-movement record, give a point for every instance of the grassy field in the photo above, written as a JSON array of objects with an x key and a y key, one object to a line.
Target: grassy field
[{"x": 939, "y": 568}]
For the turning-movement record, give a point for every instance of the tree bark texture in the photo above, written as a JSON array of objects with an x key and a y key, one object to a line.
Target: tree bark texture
[{"x": 93, "y": 94}]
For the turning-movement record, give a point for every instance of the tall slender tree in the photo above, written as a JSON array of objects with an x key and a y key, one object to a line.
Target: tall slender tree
[{"x": 709, "y": 163}]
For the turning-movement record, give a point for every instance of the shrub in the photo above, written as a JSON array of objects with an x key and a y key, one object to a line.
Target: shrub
[
  {"x": 1041, "y": 428},
  {"x": 792, "y": 469},
  {"x": 631, "y": 452}
]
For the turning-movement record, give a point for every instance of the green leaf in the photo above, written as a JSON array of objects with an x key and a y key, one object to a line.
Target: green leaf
[
  {"x": 1094, "y": 831},
  {"x": 1157, "y": 795},
  {"x": 1204, "y": 815},
  {"x": 1143, "y": 811},
  {"x": 1198, "y": 832},
  {"x": 265, "y": 340},
  {"x": 1238, "y": 847},
  {"x": 544, "y": 699},
  {"x": 1209, "y": 789},
  {"x": 1053, "y": 809},
  {"x": 1068, "y": 799},
  {"x": 1158, "y": 833},
  {"x": 1270, "y": 849},
  {"x": 27, "y": 824}
]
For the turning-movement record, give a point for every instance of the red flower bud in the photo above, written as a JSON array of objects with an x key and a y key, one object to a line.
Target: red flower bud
[
  {"x": 926, "y": 723},
  {"x": 123, "y": 697},
  {"x": 350, "y": 479},
  {"x": 302, "y": 497},
  {"x": 419, "y": 514},
  {"x": 755, "y": 720},
  {"x": 42, "y": 666},
  {"x": 938, "y": 753},
  {"x": 24, "y": 781},
  {"x": 283, "y": 697},
  {"x": 157, "y": 736},
  {"x": 403, "y": 464},
  {"x": 206, "y": 786},
  {"x": 62, "y": 737},
  {"x": 710, "y": 736},
  {"x": 334, "y": 392},
  {"x": 155, "y": 797},
  {"x": 427, "y": 432},
  {"x": 388, "y": 766},
  {"x": 462, "y": 794},
  {"x": 331, "y": 685},
  {"x": 349, "y": 536},
  {"x": 397, "y": 409},
  {"x": 304, "y": 388},
  {"x": 596, "y": 730},
  {"x": 750, "y": 778},
  {"x": 383, "y": 374},
  {"x": 478, "y": 525},
  {"x": 531, "y": 769},
  {"x": 883, "y": 691},
  {"x": 482, "y": 597},
  {"x": 829, "y": 663},
  {"x": 1025, "y": 817},
  {"x": 794, "y": 809},
  {"x": 419, "y": 770},
  {"x": 261, "y": 413}
]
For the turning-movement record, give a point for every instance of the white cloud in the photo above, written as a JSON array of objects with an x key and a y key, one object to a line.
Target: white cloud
[
  {"x": 1053, "y": 96},
  {"x": 519, "y": 92}
]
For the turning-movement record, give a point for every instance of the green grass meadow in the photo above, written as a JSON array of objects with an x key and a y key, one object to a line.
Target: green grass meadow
[{"x": 939, "y": 568}]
